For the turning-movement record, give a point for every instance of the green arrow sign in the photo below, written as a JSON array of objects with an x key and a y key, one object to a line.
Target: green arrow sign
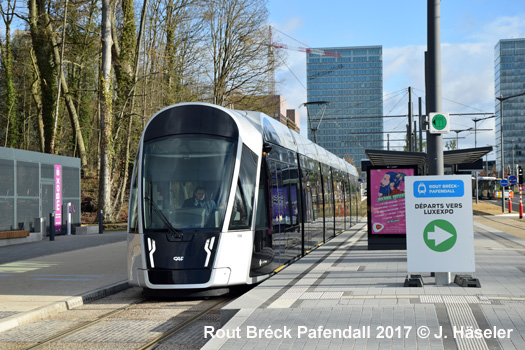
[
  {"x": 439, "y": 121},
  {"x": 440, "y": 235}
]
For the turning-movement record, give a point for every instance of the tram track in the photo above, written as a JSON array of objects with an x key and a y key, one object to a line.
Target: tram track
[
  {"x": 170, "y": 333},
  {"x": 84, "y": 325},
  {"x": 165, "y": 324},
  {"x": 501, "y": 222},
  {"x": 503, "y": 241}
]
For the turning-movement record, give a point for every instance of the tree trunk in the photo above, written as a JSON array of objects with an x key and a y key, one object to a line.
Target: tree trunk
[
  {"x": 120, "y": 199},
  {"x": 37, "y": 97},
  {"x": 38, "y": 23},
  {"x": 13, "y": 131},
  {"x": 106, "y": 114},
  {"x": 71, "y": 108}
]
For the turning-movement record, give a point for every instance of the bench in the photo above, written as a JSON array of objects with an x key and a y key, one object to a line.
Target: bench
[{"x": 14, "y": 234}]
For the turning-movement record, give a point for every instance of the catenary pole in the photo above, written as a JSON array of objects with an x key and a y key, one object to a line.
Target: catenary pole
[
  {"x": 433, "y": 85},
  {"x": 433, "y": 67}
]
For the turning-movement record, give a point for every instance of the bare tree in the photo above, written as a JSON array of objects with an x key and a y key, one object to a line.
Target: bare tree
[{"x": 239, "y": 64}]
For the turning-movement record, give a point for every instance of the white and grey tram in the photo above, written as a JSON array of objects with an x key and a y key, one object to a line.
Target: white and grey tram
[{"x": 274, "y": 196}]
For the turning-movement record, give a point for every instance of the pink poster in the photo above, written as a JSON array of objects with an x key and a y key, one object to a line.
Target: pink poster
[
  {"x": 387, "y": 200},
  {"x": 58, "y": 197}
]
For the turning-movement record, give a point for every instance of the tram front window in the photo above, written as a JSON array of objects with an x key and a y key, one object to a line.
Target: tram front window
[{"x": 186, "y": 182}]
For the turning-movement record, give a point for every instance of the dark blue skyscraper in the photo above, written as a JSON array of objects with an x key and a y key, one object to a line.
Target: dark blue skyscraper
[
  {"x": 353, "y": 84},
  {"x": 510, "y": 80}
]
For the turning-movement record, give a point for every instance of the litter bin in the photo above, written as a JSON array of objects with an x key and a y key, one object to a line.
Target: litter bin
[{"x": 40, "y": 226}]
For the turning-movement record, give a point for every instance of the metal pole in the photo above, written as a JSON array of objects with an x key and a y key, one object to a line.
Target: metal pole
[
  {"x": 475, "y": 134},
  {"x": 101, "y": 222},
  {"x": 501, "y": 149},
  {"x": 51, "y": 226},
  {"x": 521, "y": 204},
  {"x": 477, "y": 190},
  {"x": 433, "y": 68},
  {"x": 415, "y": 136},
  {"x": 410, "y": 117},
  {"x": 421, "y": 126}
]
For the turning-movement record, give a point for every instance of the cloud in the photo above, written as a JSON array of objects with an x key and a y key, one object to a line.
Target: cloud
[
  {"x": 291, "y": 83},
  {"x": 467, "y": 71},
  {"x": 501, "y": 28},
  {"x": 403, "y": 67}
]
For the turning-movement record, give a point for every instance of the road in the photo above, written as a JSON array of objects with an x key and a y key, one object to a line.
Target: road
[{"x": 515, "y": 202}]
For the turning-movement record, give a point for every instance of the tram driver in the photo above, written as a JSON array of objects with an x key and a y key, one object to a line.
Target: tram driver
[{"x": 199, "y": 201}]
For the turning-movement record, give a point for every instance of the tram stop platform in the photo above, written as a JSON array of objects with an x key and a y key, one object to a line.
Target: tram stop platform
[
  {"x": 39, "y": 279},
  {"x": 343, "y": 296}
]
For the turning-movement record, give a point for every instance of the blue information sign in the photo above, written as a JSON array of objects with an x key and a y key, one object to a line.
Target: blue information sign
[
  {"x": 513, "y": 179},
  {"x": 439, "y": 188},
  {"x": 504, "y": 182}
]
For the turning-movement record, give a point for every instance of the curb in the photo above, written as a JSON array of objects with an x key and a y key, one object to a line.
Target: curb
[
  {"x": 481, "y": 213},
  {"x": 63, "y": 305}
]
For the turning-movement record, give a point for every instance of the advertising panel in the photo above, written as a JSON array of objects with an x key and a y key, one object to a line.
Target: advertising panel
[
  {"x": 387, "y": 200},
  {"x": 386, "y": 206},
  {"x": 58, "y": 198}
]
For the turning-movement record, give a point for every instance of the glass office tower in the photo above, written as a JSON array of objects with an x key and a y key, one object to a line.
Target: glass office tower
[
  {"x": 353, "y": 85},
  {"x": 509, "y": 81}
]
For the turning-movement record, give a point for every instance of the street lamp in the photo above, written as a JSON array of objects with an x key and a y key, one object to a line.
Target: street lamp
[
  {"x": 469, "y": 129},
  {"x": 457, "y": 133},
  {"x": 476, "y": 128},
  {"x": 501, "y": 99},
  {"x": 314, "y": 129}
]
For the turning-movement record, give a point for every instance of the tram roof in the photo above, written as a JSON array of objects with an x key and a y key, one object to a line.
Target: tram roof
[{"x": 279, "y": 134}]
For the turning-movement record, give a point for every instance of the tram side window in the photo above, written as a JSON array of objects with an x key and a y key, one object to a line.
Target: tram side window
[
  {"x": 244, "y": 195},
  {"x": 133, "y": 203}
]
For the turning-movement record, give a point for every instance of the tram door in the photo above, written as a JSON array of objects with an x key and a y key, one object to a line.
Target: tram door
[
  {"x": 277, "y": 230},
  {"x": 312, "y": 203}
]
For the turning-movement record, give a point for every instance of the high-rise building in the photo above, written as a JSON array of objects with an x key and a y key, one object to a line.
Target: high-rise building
[
  {"x": 510, "y": 81},
  {"x": 353, "y": 85}
]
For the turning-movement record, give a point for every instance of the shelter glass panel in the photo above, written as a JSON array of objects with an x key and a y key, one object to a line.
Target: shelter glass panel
[
  {"x": 27, "y": 176},
  {"x": 7, "y": 214},
  {"x": 7, "y": 175}
]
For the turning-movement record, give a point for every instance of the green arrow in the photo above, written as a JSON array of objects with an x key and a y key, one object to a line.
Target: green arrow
[
  {"x": 440, "y": 235},
  {"x": 439, "y": 121}
]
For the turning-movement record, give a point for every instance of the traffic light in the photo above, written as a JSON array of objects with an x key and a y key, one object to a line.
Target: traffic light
[{"x": 520, "y": 175}]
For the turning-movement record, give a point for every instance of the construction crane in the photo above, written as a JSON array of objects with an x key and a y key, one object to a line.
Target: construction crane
[
  {"x": 275, "y": 45},
  {"x": 306, "y": 49}
]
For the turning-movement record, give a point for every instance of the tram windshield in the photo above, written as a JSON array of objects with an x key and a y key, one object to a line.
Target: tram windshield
[{"x": 186, "y": 182}]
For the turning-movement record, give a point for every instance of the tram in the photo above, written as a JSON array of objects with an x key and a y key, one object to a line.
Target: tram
[{"x": 222, "y": 198}]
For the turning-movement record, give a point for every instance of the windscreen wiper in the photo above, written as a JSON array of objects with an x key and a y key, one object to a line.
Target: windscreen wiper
[{"x": 175, "y": 231}]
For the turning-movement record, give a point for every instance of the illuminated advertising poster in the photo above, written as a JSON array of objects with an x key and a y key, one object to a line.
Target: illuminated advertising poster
[{"x": 387, "y": 200}]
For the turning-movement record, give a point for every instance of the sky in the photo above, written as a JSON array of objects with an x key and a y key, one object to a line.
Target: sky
[{"x": 470, "y": 29}]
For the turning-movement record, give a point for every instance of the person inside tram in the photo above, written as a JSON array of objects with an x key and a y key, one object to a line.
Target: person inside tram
[{"x": 199, "y": 201}]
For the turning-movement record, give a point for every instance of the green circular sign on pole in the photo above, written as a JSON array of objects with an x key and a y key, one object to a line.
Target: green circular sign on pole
[
  {"x": 440, "y": 235},
  {"x": 439, "y": 121}
]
